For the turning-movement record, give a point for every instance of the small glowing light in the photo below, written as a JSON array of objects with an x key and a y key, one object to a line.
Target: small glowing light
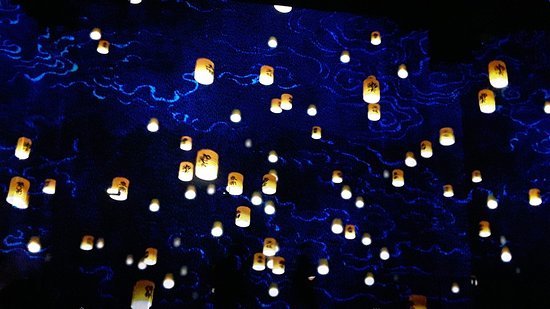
[
  {"x": 446, "y": 136},
  {"x": 476, "y": 176},
  {"x": 272, "y": 42},
  {"x": 95, "y": 34},
  {"x": 505, "y": 254},
  {"x": 337, "y": 176},
  {"x": 211, "y": 189},
  {"x": 337, "y": 227},
  {"x": 129, "y": 260},
  {"x": 473, "y": 280},
  {"x": 369, "y": 279},
  {"x": 366, "y": 240},
  {"x": 153, "y": 125},
  {"x": 23, "y": 148},
  {"x": 534, "y": 197},
  {"x": 256, "y": 198},
  {"x": 398, "y": 178},
  {"x": 204, "y": 71},
  {"x": 350, "y": 231},
  {"x": 103, "y": 47},
  {"x": 448, "y": 191},
  {"x": 410, "y": 161},
  {"x": 487, "y": 102},
  {"x": 374, "y": 112},
  {"x": 100, "y": 243},
  {"x": 359, "y": 202},
  {"x": 312, "y": 110},
  {"x": 547, "y": 107},
  {"x": 154, "y": 206},
  {"x": 34, "y": 244},
  {"x": 386, "y": 174},
  {"x": 286, "y": 101},
  {"x": 484, "y": 229},
  {"x": 344, "y": 57},
  {"x": 346, "y": 192},
  {"x": 272, "y": 157},
  {"x": 426, "y": 150},
  {"x": 402, "y": 71},
  {"x": 323, "y": 268},
  {"x": 316, "y": 132},
  {"x": 492, "y": 202},
  {"x": 384, "y": 254},
  {"x": 310, "y": 278},
  {"x": 283, "y": 8},
  {"x": 375, "y": 38},
  {"x": 217, "y": 229},
  {"x": 49, "y": 186},
  {"x": 275, "y": 107},
  {"x": 168, "y": 282},
  {"x": 191, "y": 192},
  {"x": 278, "y": 265},
  {"x": 269, "y": 207},
  {"x": 235, "y": 116},
  {"x": 186, "y": 143},
  {"x": 183, "y": 271},
  {"x": 270, "y": 249},
  {"x": 141, "y": 264},
  {"x": 502, "y": 240},
  {"x": 273, "y": 290},
  {"x": 455, "y": 288},
  {"x": 150, "y": 257},
  {"x": 87, "y": 243},
  {"x": 248, "y": 143},
  {"x": 135, "y": 1},
  {"x": 176, "y": 242},
  {"x": 267, "y": 75}
]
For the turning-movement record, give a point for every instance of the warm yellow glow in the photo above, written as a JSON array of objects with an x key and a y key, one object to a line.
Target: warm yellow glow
[
  {"x": 350, "y": 231},
  {"x": 369, "y": 279},
  {"x": 534, "y": 197},
  {"x": 371, "y": 90},
  {"x": 476, "y": 176},
  {"x": 402, "y": 71},
  {"x": 267, "y": 75},
  {"x": 256, "y": 198},
  {"x": 487, "y": 103},
  {"x": 286, "y": 101},
  {"x": 375, "y": 38},
  {"x": 154, "y": 206},
  {"x": 168, "y": 282},
  {"x": 269, "y": 184},
  {"x": 316, "y": 132},
  {"x": 235, "y": 116},
  {"x": 446, "y": 136},
  {"x": 87, "y": 243},
  {"x": 448, "y": 191},
  {"x": 344, "y": 56},
  {"x": 417, "y": 301},
  {"x": 242, "y": 216},
  {"x": 258, "y": 263},
  {"x": 484, "y": 229},
  {"x": 142, "y": 295},
  {"x": 410, "y": 160},
  {"x": 271, "y": 247},
  {"x": 235, "y": 183},
  {"x": 95, "y": 34},
  {"x": 398, "y": 178},
  {"x": 100, "y": 243},
  {"x": 366, "y": 240},
  {"x": 322, "y": 267},
  {"x": 191, "y": 192},
  {"x": 492, "y": 202},
  {"x": 34, "y": 245},
  {"x": 49, "y": 186},
  {"x": 278, "y": 265},
  {"x": 426, "y": 150},
  {"x": 269, "y": 207},
  {"x": 276, "y": 106},
  {"x": 274, "y": 173},
  {"x": 282, "y": 8},
  {"x": 186, "y": 171},
  {"x": 206, "y": 166},
  {"x": 272, "y": 42},
  {"x": 374, "y": 113},
  {"x": 547, "y": 107},
  {"x": 18, "y": 192},
  {"x": 384, "y": 253},
  {"x": 204, "y": 71},
  {"x": 23, "y": 148},
  {"x": 312, "y": 110},
  {"x": 119, "y": 189},
  {"x": 359, "y": 202},
  {"x": 217, "y": 229},
  {"x": 153, "y": 125},
  {"x": 103, "y": 47},
  {"x": 455, "y": 288},
  {"x": 337, "y": 176},
  {"x": 337, "y": 227},
  {"x": 272, "y": 157},
  {"x": 498, "y": 74},
  {"x": 273, "y": 290},
  {"x": 186, "y": 143},
  {"x": 150, "y": 257},
  {"x": 505, "y": 254}
]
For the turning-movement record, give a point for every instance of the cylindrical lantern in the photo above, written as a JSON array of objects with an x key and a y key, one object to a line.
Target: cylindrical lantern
[
  {"x": 267, "y": 75},
  {"x": 369, "y": 279},
  {"x": 269, "y": 184},
  {"x": 337, "y": 176},
  {"x": 322, "y": 267},
  {"x": 278, "y": 265},
  {"x": 272, "y": 156},
  {"x": 186, "y": 143},
  {"x": 18, "y": 193},
  {"x": 371, "y": 90},
  {"x": 100, "y": 243},
  {"x": 350, "y": 231},
  {"x": 492, "y": 202},
  {"x": 534, "y": 197},
  {"x": 286, "y": 101},
  {"x": 316, "y": 132},
  {"x": 498, "y": 75},
  {"x": 402, "y": 71},
  {"x": 484, "y": 229},
  {"x": 142, "y": 296},
  {"x": 337, "y": 227},
  {"x": 87, "y": 243},
  {"x": 204, "y": 71},
  {"x": 119, "y": 189},
  {"x": 235, "y": 116},
  {"x": 426, "y": 150},
  {"x": 448, "y": 191},
  {"x": 374, "y": 112},
  {"x": 270, "y": 246},
  {"x": 154, "y": 205},
  {"x": 446, "y": 136},
  {"x": 217, "y": 229},
  {"x": 95, "y": 34},
  {"x": 455, "y": 288},
  {"x": 312, "y": 110},
  {"x": 476, "y": 176},
  {"x": 346, "y": 192},
  {"x": 259, "y": 261},
  {"x": 505, "y": 254},
  {"x": 276, "y": 106},
  {"x": 49, "y": 186},
  {"x": 34, "y": 245},
  {"x": 103, "y": 47},
  {"x": 273, "y": 289},
  {"x": 23, "y": 148},
  {"x": 150, "y": 257},
  {"x": 256, "y": 198},
  {"x": 398, "y": 178},
  {"x": 359, "y": 202},
  {"x": 486, "y": 100},
  {"x": 384, "y": 253},
  {"x": 186, "y": 171},
  {"x": 344, "y": 56},
  {"x": 417, "y": 301},
  {"x": 366, "y": 240},
  {"x": 272, "y": 42},
  {"x": 375, "y": 38},
  {"x": 235, "y": 183},
  {"x": 168, "y": 281},
  {"x": 242, "y": 216},
  {"x": 206, "y": 167},
  {"x": 410, "y": 161},
  {"x": 153, "y": 125},
  {"x": 190, "y": 192},
  {"x": 269, "y": 207}
]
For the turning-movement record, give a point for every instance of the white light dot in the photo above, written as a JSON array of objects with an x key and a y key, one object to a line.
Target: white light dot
[
  {"x": 282, "y": 8},
  {"x": 129, "y": 260},
  {"x": 369, "y": 279},
  {"x": 384, "y": 254},
  {"x": 346, "y": 192},
  {"x": 183, "y": 271},
  {"x": 273, "y": 290},
  {"x": 154, "y": 206},
  {"x": 141, "y": 265},
  {"x": 312, "y": 110},
  {"x": 190, "y": 193},
  {"x": 248, "y": 143},
  {"x": 34, "y": 244},
  {"x": 505, "y": 255},
  {"x": 386, "y": 174},
  {"x": 235, "y": 116},
  {"x": 272, "y": 157},
  {"x": 359, "y": 203},
  {"x": 492, "y": 202},
  {"x": 269, "y": 207},
  {"x": 344, "y": 57},
  {"x": 323, "y": 268},
  {"x": 337, "y": 227},
  {"x": 95, "y": 34},
  {"x": 366, "y": 240},
  {"x": 256, "y": 198},
  {"x": 100, "y": 243},
  {"x": 153, "y": 125},
  {"x": 455, "y": 288},
  {"x": 272, "y": 42},
  {"x": 217, "y": 229},
  {"x": 135, "y": 1},
  {"x": 176, "y": 242},
  {"x": 211, "y": 189},
  {"x": 402, "y": 71},
  {"x": 168, "y": 282}
]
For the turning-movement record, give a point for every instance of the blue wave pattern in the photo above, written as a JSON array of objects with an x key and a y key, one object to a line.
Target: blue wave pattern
[{"x": 86, "y": 114}]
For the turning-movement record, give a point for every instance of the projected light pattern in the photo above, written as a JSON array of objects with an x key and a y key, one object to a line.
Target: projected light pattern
[{"x": 87, "y": 114}]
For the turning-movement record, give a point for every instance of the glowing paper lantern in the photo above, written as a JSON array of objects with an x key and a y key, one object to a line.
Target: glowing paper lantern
[
  {"x": 426, "y": 150},
  {"x": 274, "y": 173},
  {"x": 448, "y": 191},
  {"x": 119, "y": 189},
  {"x": 316, "y": 132},
  {"x": 337, "y": 176},
  {"x": 455, "y": 288},
  {"x": 129, "y": 260},
  {"x": 337, "y": 227},
  {"x": 402, "y": 71},
  {"x": 267, "y": 75},
  {"x": 34, "y": 245},
  {"x": 366, "y": 240},
  {"x": 359, "y": 202},
  {"x": 278, "y": 265},
  {"x": 547, "y": 107},
  {"x": 272, "y": 42},
  {"x": 276, "y": 106},
  {"x": 217, "y": 229},
  {"x": 350, "y": 231},
  {"x": 492, "y": 202},
  {"x": 154, "y": 205},
  {"x": 100, "y": 243},
  {"x": 271, "y": 247},
  {"x": 498, "y": 75},
  {"x": 49, "y": 186},
  {"x": 410, "y": 161},
  {"x": 168, "y": 281},
  {"x": 322, "y": 267},
  {"x": 375, "y": 38},
  {"x": 505, "y": 254},
  {"x": 273, "y": 290},
  {"x": 374, "y": 113},
  {"x": 242, "y": 216},
  {"x": 484, "y": 229},
  {"x": 417, "y": 301},
  {"x": 206, "y": 167},
  {"x": 269, "y": 184},
  {"x": 135, "y": 1},
  {"x": 282, "y": 8},
  {"x": 87, "y": 243},
  {"x": 153, "y": 125},
  {"x": 476, "y": 176},
  {"x": 18, "y": 192},
  {"x": 398, "y": 178},
  {"x": 346, "y": 192},
  {"x": 384, "y": 253},
  {"x": 150, "y": 257},
  {"x": 369, "y": 279},
  {"x": 235, "y": 183},
  {"x": 190, "y": 192},
  {"x": 486, "y": 100},
  {"x": 142, "y": 296},
  {"x": 235, "y": 116},
  {"x": 204, "y": 71},
  {"x": 371, "y": 90},
  {"x": 186, "y": 143},
  {"x": 95, "y": 34},
  {"x": 272, "y": 156},
  {"x": 211, "y": 189},
  {"x": 103, "y": 47},
  {"x": 256, "y": 198},
  {"x": 186, "y": 171},
  {"x": 446, "y": 136},
  {"x": 286, "y": 101},
  {"x": 258, "y": 263},
  {"x": 344, "y": 56},
  {"x": 312, "y": 110},
  {"x": 269, "y": 207},
  {"x": 534, "y": 197},
  {"x": 23, "y": 148}
]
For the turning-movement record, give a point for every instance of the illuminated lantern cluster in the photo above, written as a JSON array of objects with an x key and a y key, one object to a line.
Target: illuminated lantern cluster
[{"x": 267, "y": 258}]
